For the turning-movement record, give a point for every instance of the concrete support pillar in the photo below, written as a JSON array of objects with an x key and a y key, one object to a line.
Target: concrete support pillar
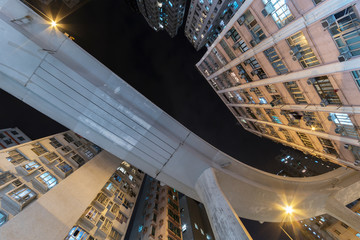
[
  {"x": 342, "y": 213},
  {"x": 223, "y": 219}
]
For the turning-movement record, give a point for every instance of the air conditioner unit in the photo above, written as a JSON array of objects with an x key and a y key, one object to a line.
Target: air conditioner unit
[
  {"x": 264, "y": 12},
  {"x": 241, "y": 20},
  {"x": 267, "y": 111},
  {"x": 348, "y": 147},
  {"x": 252, "y": 89},
  {"x": 282, "y": 112},
  {"x": 344, "y": 56},
  {"x": 246, "y": 62},
  {"x": 254, "y": 72},
  {"x": 228, "y": 34},
  {"x": 324, "y": 102},
  {"x": 307, "y": 118},
  {"x": 357, "y": 162},
  {"x": 253, "y": 43},
  {"x": 311, "y": 81},
  {"x": 326, "y": 23},
  {"x": 296, "y": 56},
  {"x": 236, "y": 45},
  {"x": 339, "y": 130},
  {"x": 295, "y": 49},
  {"x": 242, "y": 75},
  {"x": 329, "y": 118}
]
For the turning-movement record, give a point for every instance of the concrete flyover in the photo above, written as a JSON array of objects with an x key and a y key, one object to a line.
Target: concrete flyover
[{"x": 48, "y": 71}]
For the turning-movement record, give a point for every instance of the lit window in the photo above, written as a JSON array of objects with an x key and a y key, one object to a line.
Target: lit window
[
  {"x": 275, "y": 61},
  {"x": 275, "y": 119},
  {"x": 301, "y": 51},
  {"x": 196, "y": 226},
  {"x": 184, "y": 227},
  {"x": 279, "y": 11},
  {"x": 77, "y": 233},
  {"x": 356, "y": 76},
  {"x": 262, "y": 100},
  {"x": 31, "y": 166},
  {"x": 47, "y": 179},
  {"x": 3, "y": 218}
]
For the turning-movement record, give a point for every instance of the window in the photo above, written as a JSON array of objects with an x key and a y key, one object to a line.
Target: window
[
  {"x": 114, "y": 235},
  {"x": 254, "y": 28},
  {"x": 344, "y": 28},
  {"x": 77, "y": 233},
  {"x": 153, "y": 231},
  {"x": 64, "y": 167},
  {"x": 287, "y": 135},
  {"x": 301, "y": 51},
  {"x": 68, "y": 138},
  {"x": 253, "y": 63},
  {"x": 262, "y": 100},
  {"x": 276, "y": 119},
  {"x": 243, "y": 74},
  {"x": 106, "y": 226},
  {"x": 174, "y": 205},
  {"x": 47, "y": 179},
  {"x": 275, "y": 61},
  {"x": 102, "y": 199},
  {"x": 121, "y": 217},
  {"x": 31, "y": 166},
  {"x": 337, "y": 232},
  {"x": 174, "y": 229},
  {"x": 328, "y": 146},
  {"x": 92, "y": 215},
  {"x": 173, "y": 215},
  {"x": 55, "y": 143},
  {"x": 38, "y": 149},
  {"x": 271, "y": 88},
  {"x": 295, "y": 92},
  {"x": 16, "y": 157},
  {"x": 22, "y": 194},
  {"x": 51, "y": 157},
  {"x": 14, "y": 132},
  {"x": 233, "y": 34},
  {"x": 228, "y": 51},
  {"x": 6, "y": 177},
  {"x": 279, "y": 11},
  {"x": 79, "y": 160},
  {"x": 110, "y": 187},
  {"x": 3, "y": 218},
  {"x": 344, "y": 125},
  {"x": 325, "y": 90},
  {"x": 356, "y": 76},
  {"x": 305, "y": 140}
]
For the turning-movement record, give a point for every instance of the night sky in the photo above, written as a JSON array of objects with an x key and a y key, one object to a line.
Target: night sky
[{"x": 163, "y": 70}]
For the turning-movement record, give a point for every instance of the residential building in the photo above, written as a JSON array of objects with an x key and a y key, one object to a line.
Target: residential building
[
  {"x": 10, "y": 137},
  {"x": 163, "y": 14},
  {"x": 30, "y": 170},
  {"x": 296, "y": 164},
  {"x": 207, "y": 18},
  {"x": 108, "y": 215},
  {"x": 194, "y": 220},
  {"x": 291, "y": 79},
  {"x": 341, "y": 231},
  {"x": 158, "y": 213}
]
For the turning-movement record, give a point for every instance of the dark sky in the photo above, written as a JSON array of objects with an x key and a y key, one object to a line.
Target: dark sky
[{"x": 163, "y": 70}]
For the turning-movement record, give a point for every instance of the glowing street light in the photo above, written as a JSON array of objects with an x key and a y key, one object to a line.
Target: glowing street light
[
  {"x": 289, "y": 210},
  {"x": 53, "y": 23}
]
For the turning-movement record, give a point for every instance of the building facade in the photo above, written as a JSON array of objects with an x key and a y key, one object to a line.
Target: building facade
[
  {"x": 10, "y": 137},
  {"x": 158, "y": 213},
  {"x": 108, "y": 215},
  {"x": 206, "y": 19},
  {"x": 194, "y": 220},
  {"x": 287, "y": 71},
  {"x": 163, "y": 14},
  {"x": 30, "y": 170},
  {"x": 295, "y": 164}
]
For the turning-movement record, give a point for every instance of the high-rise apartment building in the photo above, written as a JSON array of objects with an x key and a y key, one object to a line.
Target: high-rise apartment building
[
  {"x": 30, "y": 170},
  {"x": 295, "y": 164},
  {"x": 207, "y": 18},
  {"x": 158, "y": 213},
  {"x": 288, "y": 71},
  {"x": 195, "y": 224},
  {"x": 341, "y": 231},
  {"x": 10, "y": 137},
  {"x": 108, "y": 215},
  {"x": 163, "y": 14}
]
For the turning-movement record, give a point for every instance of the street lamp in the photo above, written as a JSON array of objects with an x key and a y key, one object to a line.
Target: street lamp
[{"x": 53, "y": 23}]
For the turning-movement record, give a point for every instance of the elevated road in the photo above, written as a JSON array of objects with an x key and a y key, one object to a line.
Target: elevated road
[{"x": 45, "y": 69}]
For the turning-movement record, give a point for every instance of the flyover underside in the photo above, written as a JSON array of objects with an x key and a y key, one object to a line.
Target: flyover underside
[{"x": 51, "y": 73}]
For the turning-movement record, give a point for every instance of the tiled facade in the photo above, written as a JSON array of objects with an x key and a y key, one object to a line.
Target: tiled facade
[
  {"x": 108, "y": 215},
  {"x": 276, "y": 70},
  {"x": 207, "y": 18},
  {"x": 163, "y": 14},
  {"x": 29, "y": 170}
]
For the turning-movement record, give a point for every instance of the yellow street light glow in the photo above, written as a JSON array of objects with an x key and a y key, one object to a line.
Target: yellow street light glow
[
  {"x": 53, "y": 23},
  {"x": 289, "y": 210},
  {"x": 313, "y": 128}
]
